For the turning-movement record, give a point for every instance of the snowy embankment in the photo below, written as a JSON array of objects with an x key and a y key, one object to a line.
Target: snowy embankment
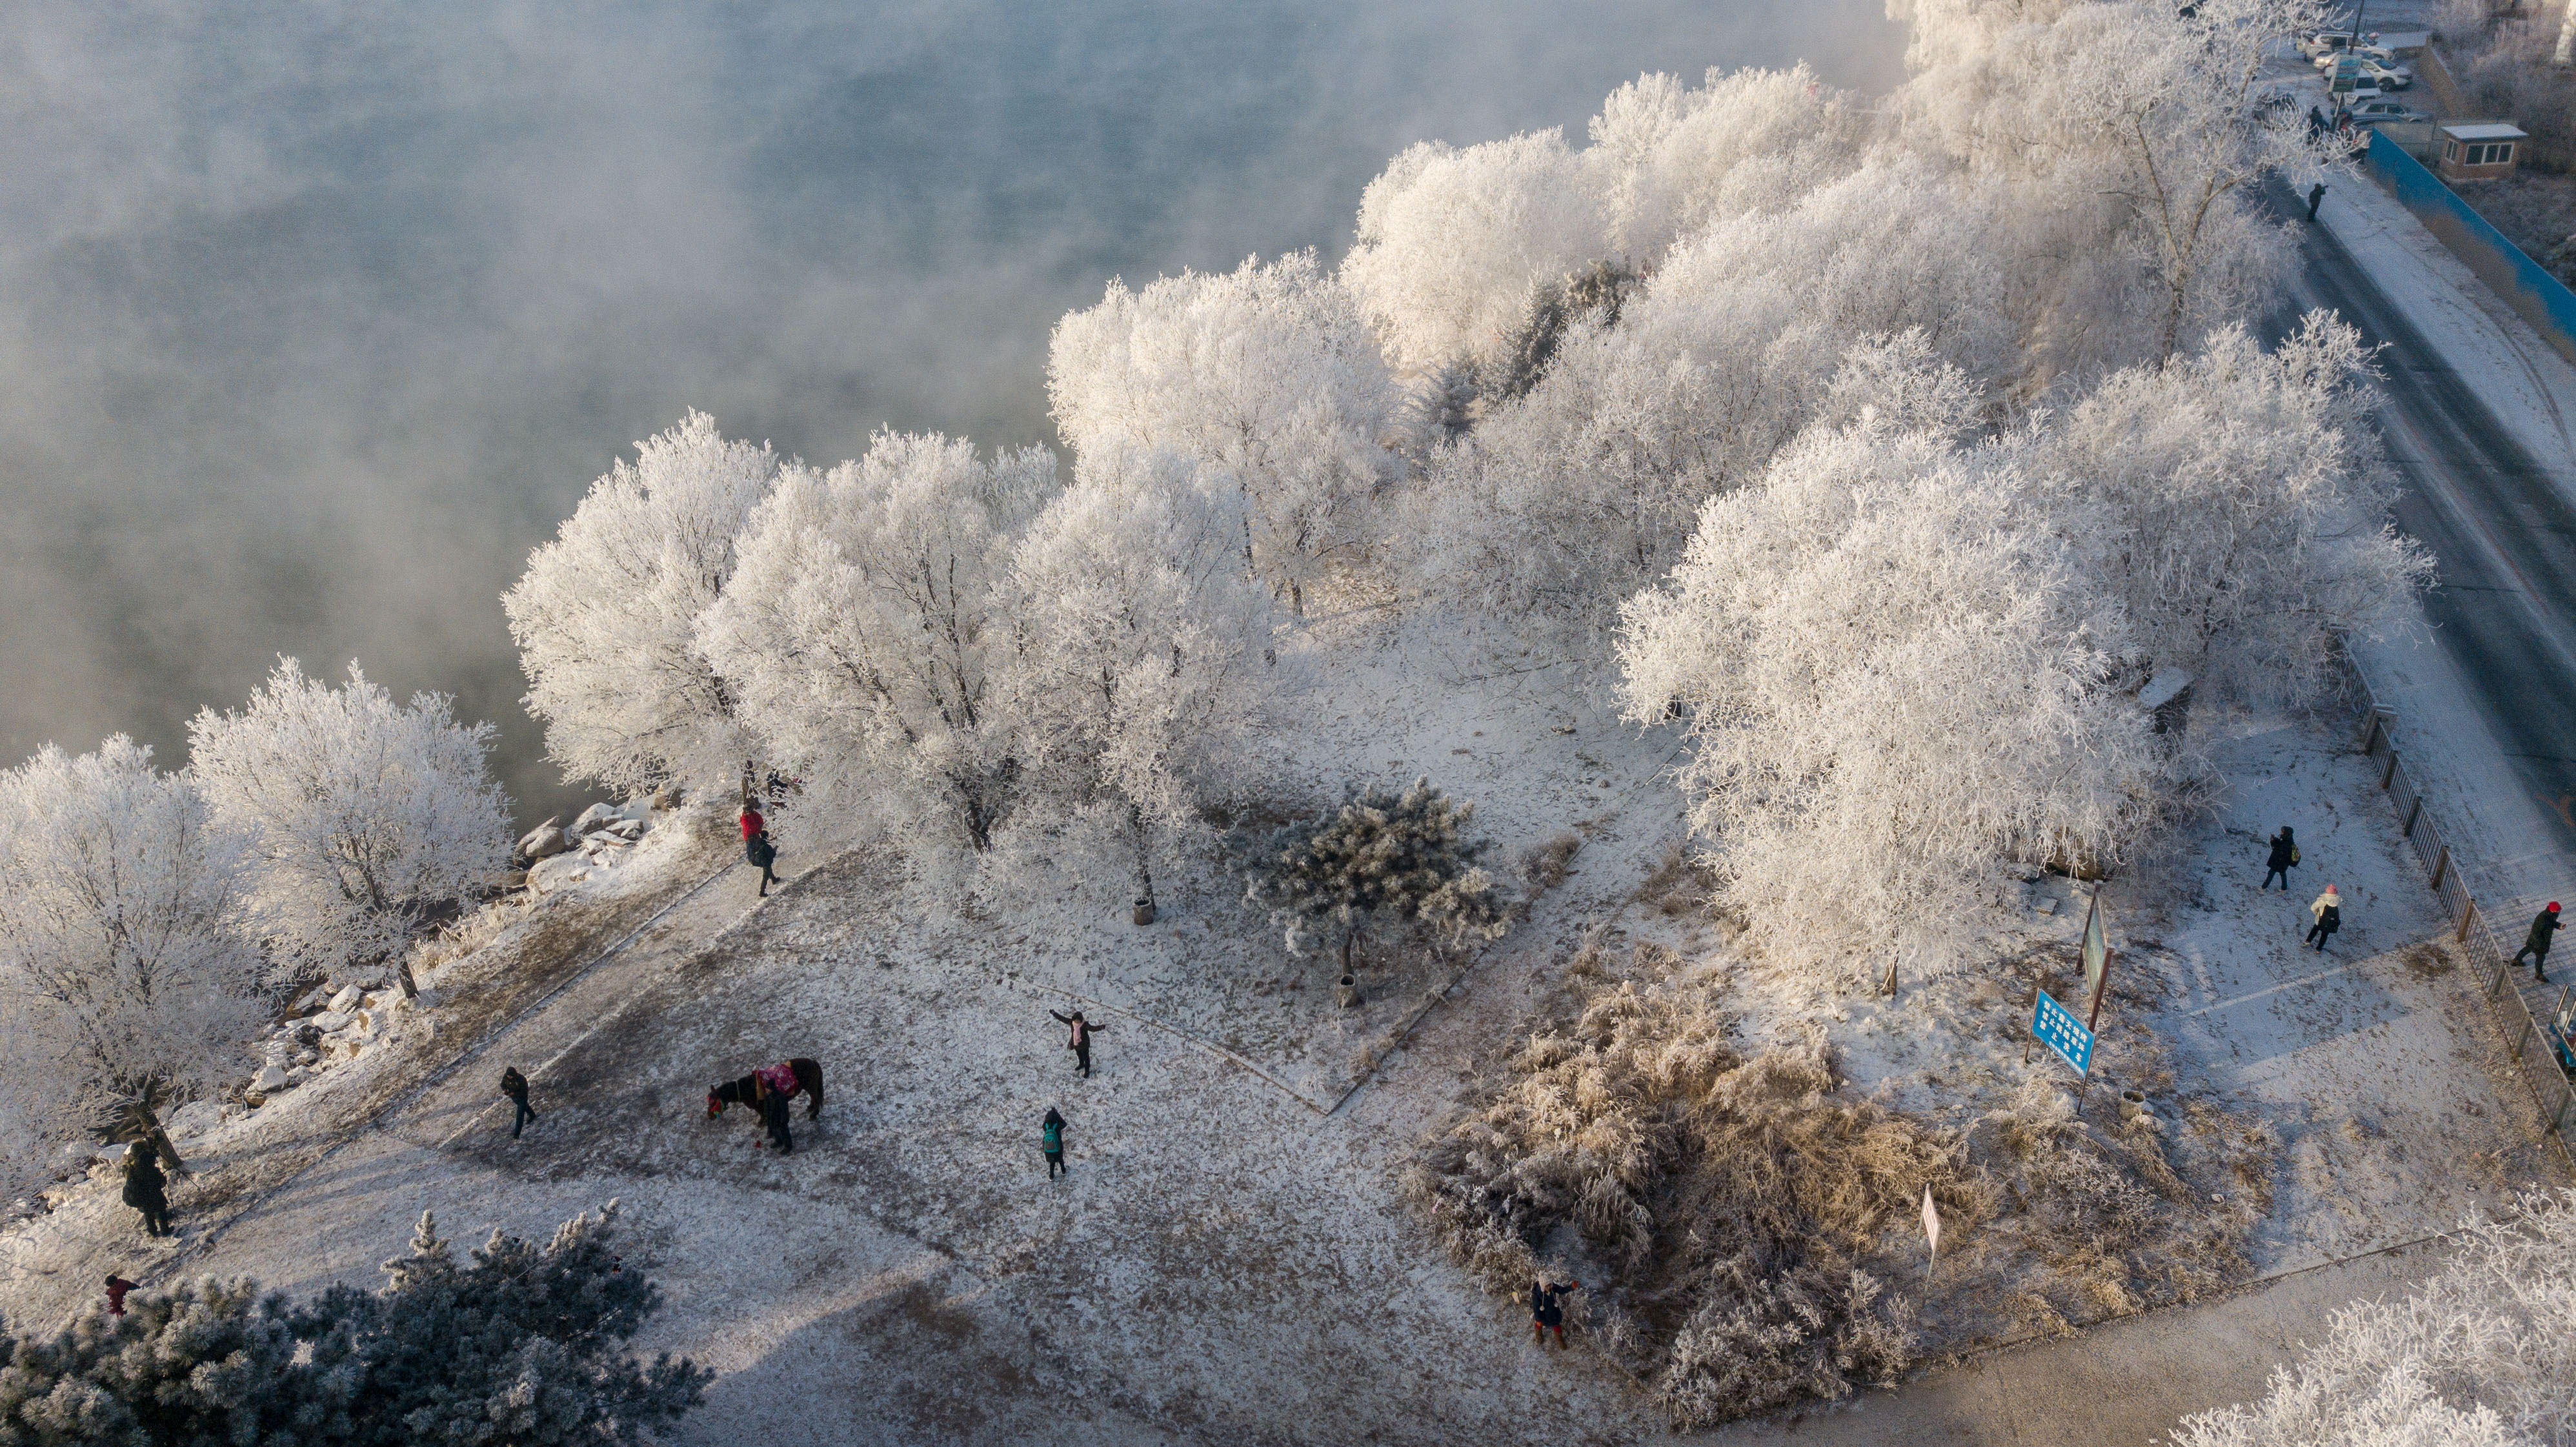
[{"x": 1222, "y": 1245}]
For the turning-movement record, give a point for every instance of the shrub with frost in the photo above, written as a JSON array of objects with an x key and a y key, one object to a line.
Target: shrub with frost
[
  {"x": 1266, "y": 375},
  {"x": 1383, "y": 857},
  {"x": 128, "y": 977},
  {"x": 606, "y": 616},
  {"x": 1894, "y": 677},
  {"x": 524, "y": 1343},
  {"x": 1142, "y": 663},
  {"x": 868, "y": 627},
  {"x": 366, "y": 816},
  {"x": 2483, "y": 1354}
]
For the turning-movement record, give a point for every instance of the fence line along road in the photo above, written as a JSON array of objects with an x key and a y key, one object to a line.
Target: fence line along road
[{"x": 2526, "y": 1038}]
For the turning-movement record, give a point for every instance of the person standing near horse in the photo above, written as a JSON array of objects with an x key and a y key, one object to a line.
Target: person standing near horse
[
  {"x": 1078, "y": 1040},
  {"x": 515, "y": 1086},
  {"x": 146, "y": 1189},
  {"x": 773, "y": 1105},
  {"x": 757, "y": 846},
  {"x": 1051, "y": 1143}
]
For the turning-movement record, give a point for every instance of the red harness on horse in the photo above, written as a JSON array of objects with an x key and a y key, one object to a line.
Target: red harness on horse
[{"x": 780, "y": 1078}]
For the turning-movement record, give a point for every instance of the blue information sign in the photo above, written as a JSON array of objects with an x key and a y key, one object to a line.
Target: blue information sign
[{"x": 2062, "y": 1032}]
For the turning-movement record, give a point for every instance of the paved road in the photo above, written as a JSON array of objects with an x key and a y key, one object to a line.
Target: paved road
[{"x": 2503, "y": 533}]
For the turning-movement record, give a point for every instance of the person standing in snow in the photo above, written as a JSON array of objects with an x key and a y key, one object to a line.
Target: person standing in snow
[
  {"x": 2544, "y": 928},
  {"x": 773, "y": 1114},
  {"x": 757, "y": 847},
  {"x": 515, "y": 1086},
  {"x": 144, "y": 1189},
  {"x": 1547, "y": 1310},
  {"x": 2283, "y": 858},
  {"x": 2328, "y": 908},
  {"x": 117, "y": 1286},
  {"x": 1078, "y": 1040},
  {"x": 2316, "y": 193},
  {"x": 1051, "y": 1142}
]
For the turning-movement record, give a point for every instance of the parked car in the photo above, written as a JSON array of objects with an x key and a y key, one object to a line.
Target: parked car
[
  {"x": 2372, "y": 112},
  {"x": 2334, "y": 42},
  {"x": 2386, "y": 77}
]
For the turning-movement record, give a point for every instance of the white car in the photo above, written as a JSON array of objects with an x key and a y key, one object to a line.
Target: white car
[{"x": 2372, "y": 112}]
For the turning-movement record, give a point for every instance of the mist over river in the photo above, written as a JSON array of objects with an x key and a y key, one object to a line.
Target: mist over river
[{"x": 316, "y": 317}]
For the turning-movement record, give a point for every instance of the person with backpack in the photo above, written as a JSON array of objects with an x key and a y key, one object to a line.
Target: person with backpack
[
  {"x": 1078, "y": 1040},
  {"x": 2328, "y": 908},
  {"x": 1547, "y": 1310},
  {"x": 146, "y": 1189},
  {"x": 2544, "y": 928},
  {"x": 757, "y": 846},
  {"x": 2283, "y": 858},
  {"x": 117, "y": 1286},
  {"x": 515, "y": 1086},
  {"x": 1051, "y": 1143}
]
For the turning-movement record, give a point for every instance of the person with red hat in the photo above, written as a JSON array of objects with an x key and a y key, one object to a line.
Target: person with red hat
[{"x": 2536, "y": 944}]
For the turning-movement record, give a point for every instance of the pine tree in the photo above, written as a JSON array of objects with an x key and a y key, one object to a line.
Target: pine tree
[
  {"x": 519, "y": 1346},
  {"x": 1382, "y": 855}
]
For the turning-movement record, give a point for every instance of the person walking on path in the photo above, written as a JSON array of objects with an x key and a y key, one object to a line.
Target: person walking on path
[
  {"x": 1051, "y": 1141},
  {"x": 758, "y": 848},
  {"x": 1547, "y": 1310},
  {"x": 2283, "y": 858},
  {"x": 145, "y": 1189},
  {"x": 1078, "y": 1040},
  {"x": 515, "y": 1086},
  {"x": 117, "y": 1286},
  {"x": 2544, "y": 925},
  {"x": 2328, "y": 908}
]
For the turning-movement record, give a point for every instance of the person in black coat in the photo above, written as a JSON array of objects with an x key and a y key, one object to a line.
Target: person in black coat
[
  {"x": 515, "y": 1086},
  {"x": 2544, "y": 929},
  {"x": 2283, "y": 858},
  {"x": 1547, "y": 1310},
  {"x": 1078, "y": 1040},
  {"x": 2328, "y": 908},
  {"x": 145, "y": 1189},
  {"x": 773, "y": 1114}
]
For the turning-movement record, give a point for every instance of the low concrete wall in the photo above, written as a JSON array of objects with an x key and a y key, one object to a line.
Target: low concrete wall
[{"x": 2540, "y": 298}]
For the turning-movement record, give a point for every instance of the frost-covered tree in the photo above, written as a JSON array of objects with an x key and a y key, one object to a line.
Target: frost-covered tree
[
  {"x": 367, "y": 816},
  {"x": 2235, "y": 501},
  {"x": 126, "y": 972},
  {"x": 606, "y": 616},
  {"x": 1266, "y": 374},
  {"x": 868, "y": 626},
  {"x": 1382, "y": 856},
  {"x": 1143, "y": 656},
  {"x": 521, "y": 1345},
  {"x": 2483, "y": 1354},
  {"x": 1893, "y": 680}
]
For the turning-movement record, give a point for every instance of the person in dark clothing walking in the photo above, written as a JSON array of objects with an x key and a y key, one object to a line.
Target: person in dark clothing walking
[
  {"x": 1078, "y": 1040},
  {"x": 2316, "y": 193},
  {"x": 2544, "y": 927},
  {"x": 1547, "y": 1310},
  {"x": 117, "y": 1286},
  {"x": 758, "y": 848},
  {"x": 1051, "y": 1141},
  {"x": 515, "y": 1086},
  {"x": 773, "y": 1114},
  {"x": 2283, "y": 858},
  {"x": 145, "y": 1189},
  {"x": 2328, "y": 908}
]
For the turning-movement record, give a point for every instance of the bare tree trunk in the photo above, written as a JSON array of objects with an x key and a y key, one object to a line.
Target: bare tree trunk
[{"x": 2566, "y": 50}]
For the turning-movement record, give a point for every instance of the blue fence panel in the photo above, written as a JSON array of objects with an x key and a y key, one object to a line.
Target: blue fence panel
[{"x": 2542, "y": 300}]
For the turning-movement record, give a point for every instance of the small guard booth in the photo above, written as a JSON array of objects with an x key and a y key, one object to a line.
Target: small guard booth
[{"x": 2482, "y": 151}]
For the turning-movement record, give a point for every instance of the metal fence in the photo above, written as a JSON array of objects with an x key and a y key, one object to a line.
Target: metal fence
[{"x": 2526, "y": 1038}]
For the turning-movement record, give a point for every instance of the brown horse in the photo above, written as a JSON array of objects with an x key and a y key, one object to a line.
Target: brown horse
[{"x": 746, "y": 1091}]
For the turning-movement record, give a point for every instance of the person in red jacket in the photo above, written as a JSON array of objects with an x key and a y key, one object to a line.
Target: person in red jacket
[
  {"x": 757, "y": 847},
  {"x": 117, "y": 1286}
]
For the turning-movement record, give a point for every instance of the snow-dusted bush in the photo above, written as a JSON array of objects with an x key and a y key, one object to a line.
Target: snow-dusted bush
[
  {"x": 524, "y": 1344},
  {"x": 366, "y": 815},
  {"x": 2234, "y": 501},
  {"x": 1681, "y": 160},
  {"x": 867, "y": 628},
  {"x": 1563, "y": 502},
  {"x": 127, "y": 976},
  {"x": 1382, "y": 856},
  {"x": 1895, "y": 677},
  {"x": 606, "y": 615},
  {"x": 1142, "y": 659},
  {"x": 1743, "y": 1198},
  {"x": 1266, "y": 374},
  {"x": 2483, "y": 1354}
]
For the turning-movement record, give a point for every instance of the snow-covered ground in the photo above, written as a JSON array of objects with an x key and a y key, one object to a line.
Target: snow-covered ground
[{"x": 1230, "y": 1258}]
